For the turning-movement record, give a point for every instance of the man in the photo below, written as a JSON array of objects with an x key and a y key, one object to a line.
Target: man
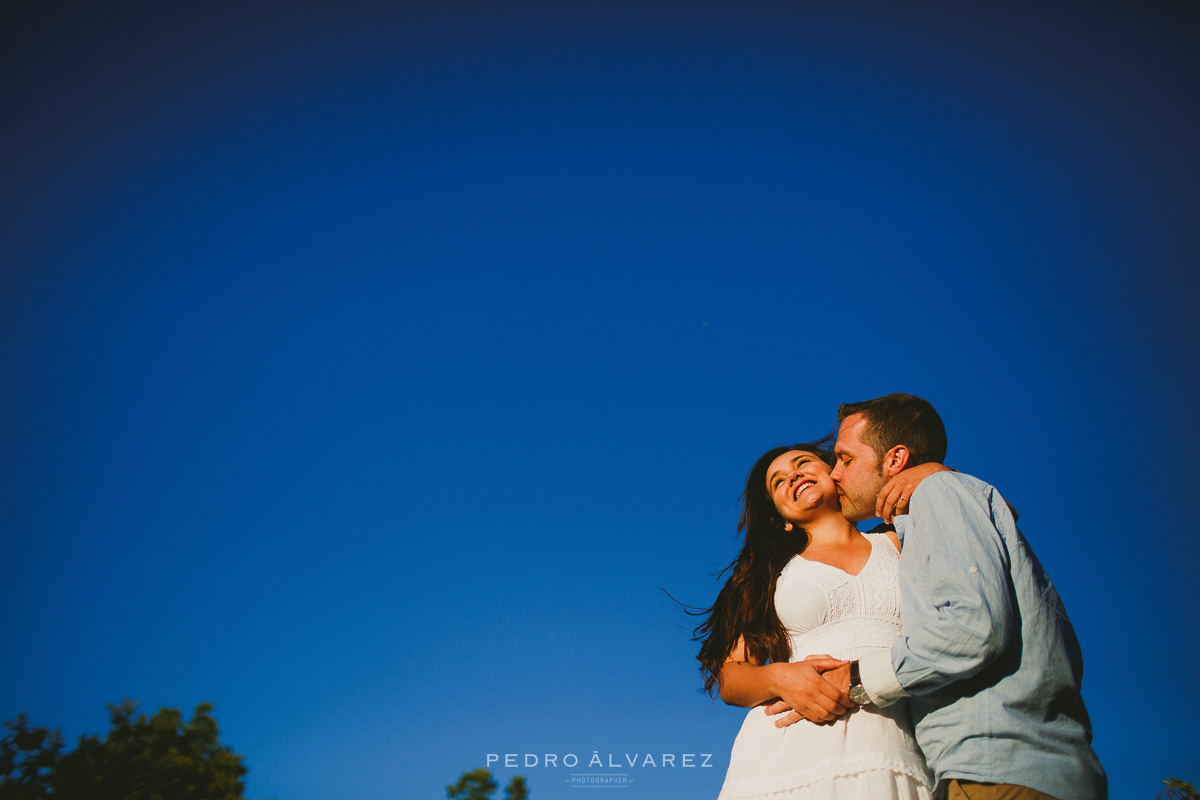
[{"x": 987, "y": 653}]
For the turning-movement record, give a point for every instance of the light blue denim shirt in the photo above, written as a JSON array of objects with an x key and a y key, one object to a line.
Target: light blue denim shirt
[{"x": 987, "y": 653}]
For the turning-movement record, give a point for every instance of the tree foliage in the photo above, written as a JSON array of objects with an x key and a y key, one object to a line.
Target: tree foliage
[
  {"x": 1178, "y": 790},
  {"x": 160, "y": 758},
  {"x": 28, "y": 757},
  {"x": 478, "y": 785},
  {"x": 516, "y": 789}
]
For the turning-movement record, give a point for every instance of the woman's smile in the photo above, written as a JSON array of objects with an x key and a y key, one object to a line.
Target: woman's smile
[{"x": 801, "y": 486}]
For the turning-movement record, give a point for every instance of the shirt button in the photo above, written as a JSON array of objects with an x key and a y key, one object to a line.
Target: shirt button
[{"x": 973, "y": 570}]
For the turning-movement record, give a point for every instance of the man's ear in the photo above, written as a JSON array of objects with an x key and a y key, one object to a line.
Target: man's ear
[{"x": 895, "y": 461}]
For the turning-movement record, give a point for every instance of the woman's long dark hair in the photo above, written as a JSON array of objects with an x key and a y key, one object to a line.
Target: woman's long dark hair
[{"x": 745, "y": 607}]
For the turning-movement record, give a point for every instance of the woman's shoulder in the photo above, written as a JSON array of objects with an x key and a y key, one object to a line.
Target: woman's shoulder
[
  {"x": 881, "y": 534},
  {"x": 792, "y": 563}
]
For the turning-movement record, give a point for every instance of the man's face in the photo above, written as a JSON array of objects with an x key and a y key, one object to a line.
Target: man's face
[{"x": 857, "y": 472}]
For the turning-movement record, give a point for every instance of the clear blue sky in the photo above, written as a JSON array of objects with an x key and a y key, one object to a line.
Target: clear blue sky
[{"x": 370, "y": 370}]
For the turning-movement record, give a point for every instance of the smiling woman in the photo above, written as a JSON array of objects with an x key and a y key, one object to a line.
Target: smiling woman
[
  {"x": 796, "y": 482},
  {"x": 807, "y": 596}
]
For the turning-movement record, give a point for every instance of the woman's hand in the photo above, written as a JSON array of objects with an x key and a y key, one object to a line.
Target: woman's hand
[
  {"x": 894, "y": 496},
  {"x": 815, "y": 689}
]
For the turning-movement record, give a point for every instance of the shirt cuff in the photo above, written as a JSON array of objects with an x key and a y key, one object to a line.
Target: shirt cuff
[{"x": 879, "y": 679}]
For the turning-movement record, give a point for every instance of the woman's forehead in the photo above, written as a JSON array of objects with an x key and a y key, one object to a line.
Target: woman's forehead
[{"x": 792, "y": 455}]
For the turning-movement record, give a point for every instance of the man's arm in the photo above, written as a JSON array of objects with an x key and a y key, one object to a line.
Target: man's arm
[{"x": 956, "y": 606}]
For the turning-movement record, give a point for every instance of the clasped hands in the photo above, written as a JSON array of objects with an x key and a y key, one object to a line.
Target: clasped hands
[{"x": 816, "y": 689}]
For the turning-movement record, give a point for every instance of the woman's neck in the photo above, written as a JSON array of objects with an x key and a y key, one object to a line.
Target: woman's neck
[{"x": 831, "y": 530}]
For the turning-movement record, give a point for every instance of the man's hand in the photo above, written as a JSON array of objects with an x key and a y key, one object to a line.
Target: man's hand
[
  {"x": 805, "y": 693},
  {"x": 894, "y": 496}
]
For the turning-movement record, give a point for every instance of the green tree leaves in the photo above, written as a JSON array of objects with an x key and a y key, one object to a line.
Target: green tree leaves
[
  {"x": 516, "y": 789},
  {"x": 1178, "y": 790},
  {"x": 478, "y": 785},
  {"x": 27, "y": 758},
  {"x": 160, "y": 758}
]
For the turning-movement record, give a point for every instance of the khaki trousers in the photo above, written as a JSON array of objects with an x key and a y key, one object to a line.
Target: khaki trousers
[{"x": 966, "y": 790}]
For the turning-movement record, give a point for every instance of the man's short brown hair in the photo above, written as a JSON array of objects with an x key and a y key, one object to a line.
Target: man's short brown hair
[{"x": 900, "y": 419}]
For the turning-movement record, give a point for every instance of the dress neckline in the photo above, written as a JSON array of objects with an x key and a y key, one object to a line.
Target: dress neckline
[{"x": 870, "y": 557}]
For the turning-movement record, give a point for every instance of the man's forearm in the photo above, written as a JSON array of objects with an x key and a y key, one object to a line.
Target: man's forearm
[{"x": 879, "y": 678}]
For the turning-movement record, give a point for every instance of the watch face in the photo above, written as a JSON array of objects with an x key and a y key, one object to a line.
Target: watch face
[{"x": 859, "y": 695}]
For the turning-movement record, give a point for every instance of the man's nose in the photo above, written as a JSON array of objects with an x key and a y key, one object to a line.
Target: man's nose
[{"x": 836, "y": 473}]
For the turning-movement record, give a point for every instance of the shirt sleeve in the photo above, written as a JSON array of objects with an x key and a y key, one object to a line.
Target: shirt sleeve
[{"x": 956, "y": 597}]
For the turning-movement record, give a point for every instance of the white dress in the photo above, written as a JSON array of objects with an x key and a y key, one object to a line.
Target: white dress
[{"x": 868, "y": 753}]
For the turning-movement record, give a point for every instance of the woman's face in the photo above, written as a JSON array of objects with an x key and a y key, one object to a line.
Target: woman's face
[{"x": 798, "y": 483}]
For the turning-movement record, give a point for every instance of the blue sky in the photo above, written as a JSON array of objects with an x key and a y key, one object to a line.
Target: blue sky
[{"x": 371, "y": 370}]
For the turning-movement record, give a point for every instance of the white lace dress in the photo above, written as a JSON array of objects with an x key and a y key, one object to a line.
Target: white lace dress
[{"x": 868, "y": 753}]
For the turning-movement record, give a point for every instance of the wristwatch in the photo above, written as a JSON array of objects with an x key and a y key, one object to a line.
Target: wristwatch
[{"x": 857, "y": 693}]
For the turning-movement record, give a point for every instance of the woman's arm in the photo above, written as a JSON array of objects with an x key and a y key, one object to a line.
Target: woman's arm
[
  {"x": 744, "y": 682},
  {"x": 900, "y": 488},
  {"x": 898, "y": 491}
]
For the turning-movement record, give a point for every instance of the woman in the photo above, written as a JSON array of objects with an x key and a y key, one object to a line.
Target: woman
[{"x": 807, "y": 583}]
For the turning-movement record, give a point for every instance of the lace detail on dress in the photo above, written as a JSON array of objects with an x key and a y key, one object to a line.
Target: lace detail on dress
[{"x": 861, "y": 612}]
